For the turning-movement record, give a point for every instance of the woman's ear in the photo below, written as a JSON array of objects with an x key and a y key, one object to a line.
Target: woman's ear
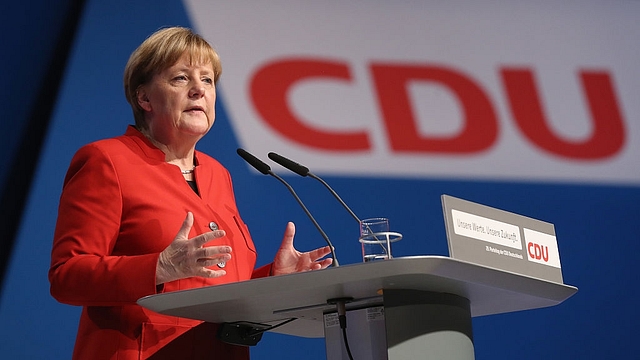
[{"x": 143, "y": 99}]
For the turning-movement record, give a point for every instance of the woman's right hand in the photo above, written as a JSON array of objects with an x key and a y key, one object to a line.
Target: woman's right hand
[{"x": 186, "y": 257}]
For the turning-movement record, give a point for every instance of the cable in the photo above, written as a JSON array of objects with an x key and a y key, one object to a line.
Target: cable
[
  {"x": 346, "y": 342},
  {"x": 342, "y": 318},
  {"x": 260, "y": 331}
]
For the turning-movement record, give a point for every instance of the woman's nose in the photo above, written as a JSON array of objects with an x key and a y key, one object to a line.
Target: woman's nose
[{"x": 197, "y": 89}]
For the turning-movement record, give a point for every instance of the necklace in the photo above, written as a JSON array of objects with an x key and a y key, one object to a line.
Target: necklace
[{"x": 187, "y": 172}]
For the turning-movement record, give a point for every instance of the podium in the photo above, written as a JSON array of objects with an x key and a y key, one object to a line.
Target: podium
[{"x": 428, "y": 302}]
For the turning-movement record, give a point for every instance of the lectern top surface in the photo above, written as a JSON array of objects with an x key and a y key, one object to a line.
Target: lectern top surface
[{"x": 304, "y": 295}]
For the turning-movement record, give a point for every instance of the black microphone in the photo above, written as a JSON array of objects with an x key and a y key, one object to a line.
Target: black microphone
[
  {"x": 266, "y": 170},
  {"x": 304, "y": 171}
]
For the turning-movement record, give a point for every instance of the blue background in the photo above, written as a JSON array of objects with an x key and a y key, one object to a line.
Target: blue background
[{"x": 597, "y": 225}]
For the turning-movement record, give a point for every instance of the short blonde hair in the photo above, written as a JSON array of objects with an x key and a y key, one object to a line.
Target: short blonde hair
[{"x": 157, "y": 53}]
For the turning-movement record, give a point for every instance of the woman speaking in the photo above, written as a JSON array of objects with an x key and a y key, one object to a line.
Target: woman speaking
[{"x": 145, "y": 213}]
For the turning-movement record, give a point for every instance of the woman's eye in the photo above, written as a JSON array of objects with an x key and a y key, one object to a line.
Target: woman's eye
[{"x": 208, "y": 80}]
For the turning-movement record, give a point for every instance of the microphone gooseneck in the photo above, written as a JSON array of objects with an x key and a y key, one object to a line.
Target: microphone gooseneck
[
  {"x": 304, "y": 171},
  {"x": 266, "y": 170}
]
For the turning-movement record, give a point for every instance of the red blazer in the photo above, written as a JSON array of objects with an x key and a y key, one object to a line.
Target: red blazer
[{"x": 121, "y": 205}]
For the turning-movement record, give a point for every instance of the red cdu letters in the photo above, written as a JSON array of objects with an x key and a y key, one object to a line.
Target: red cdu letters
[
  {"x": 538, "y": 252},
  {"x": 271, "y": 84}
]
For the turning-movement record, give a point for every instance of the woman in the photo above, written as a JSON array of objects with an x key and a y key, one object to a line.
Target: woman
[{"x": 145, "y": 213}]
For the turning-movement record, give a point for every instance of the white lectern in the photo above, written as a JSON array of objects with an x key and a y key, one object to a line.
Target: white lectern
[{"x": 428, "y": 301}]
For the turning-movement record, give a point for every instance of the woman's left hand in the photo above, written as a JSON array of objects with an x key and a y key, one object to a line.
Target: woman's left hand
[{"x": 289, "y": 260}]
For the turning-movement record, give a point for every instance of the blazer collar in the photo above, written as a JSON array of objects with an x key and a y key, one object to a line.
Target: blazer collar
[{"x": 144, "y": 144}]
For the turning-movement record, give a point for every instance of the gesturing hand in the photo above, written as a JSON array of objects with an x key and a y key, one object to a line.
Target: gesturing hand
[
  {"x": 289, "y": 260},
  {"x": 186, "y": 257}
]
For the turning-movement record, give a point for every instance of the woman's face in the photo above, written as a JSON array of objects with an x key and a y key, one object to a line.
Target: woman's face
[{"x": 180, "y": 101}]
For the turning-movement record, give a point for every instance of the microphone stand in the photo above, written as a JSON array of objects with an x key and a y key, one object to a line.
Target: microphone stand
[{"x": 266, "y": 170}]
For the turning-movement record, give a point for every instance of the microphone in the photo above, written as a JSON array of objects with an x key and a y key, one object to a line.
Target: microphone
[
  {"x": 266, "y": 170},
  {"x": 304, "y": 171}
]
